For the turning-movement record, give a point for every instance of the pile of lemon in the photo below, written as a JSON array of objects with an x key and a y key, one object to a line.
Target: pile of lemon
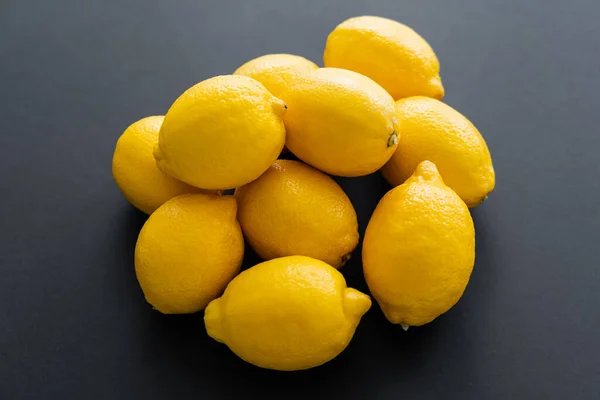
[{"x": 374, "y": 106}]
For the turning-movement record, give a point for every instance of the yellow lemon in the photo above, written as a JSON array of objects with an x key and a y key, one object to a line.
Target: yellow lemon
[
  {"x": 188, "y": 251},
  {"x": 287, "y": 314},
  {"x": 134, "y": 168},
  {"x": 431, "y": 130},
  {"x": 390, "y": 53},
  {"x": 419, "y": 249},
  {"x": 340, "y": 122},
  {"x": 276, "y": 71},
  {"x": 221, "y": 133},
  {"x": 293, "y": 209}
]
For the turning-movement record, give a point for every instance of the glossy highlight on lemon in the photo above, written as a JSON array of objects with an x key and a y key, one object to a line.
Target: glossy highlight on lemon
[
  {"x": 188, "y": 251},
  {"x": 390, "y": 53},
  {"x": 287, "y": 314},
  {"x": 134, "y": 168},
  {"x": 221, "y": 133},
  {"x": 419, "y": 249},
  {"x": 276, "y": 71},
  {"x": 431, "y": 130},
  {"x": 341, "y": 122},
  {"x": 293, "y": 209}
]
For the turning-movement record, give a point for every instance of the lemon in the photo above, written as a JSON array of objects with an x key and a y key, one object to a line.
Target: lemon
[
  {"x": 221, "y": 133},
  {"x": 276, "y": 71},
  {"x": 431, "y": 130},
  {"x": 188, "y": 251},
  {"x": 290, "y": 313},
  {"x": 390, "y": 53},
  {"x": 135, "y": 171},
  {"x": 293, "y": 209},
  {"x": 340, "y": 122},
  {"x": 419, "y": 249}
]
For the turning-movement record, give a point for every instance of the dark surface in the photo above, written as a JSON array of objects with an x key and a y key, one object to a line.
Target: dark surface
[{"x": 73, "y": 322}]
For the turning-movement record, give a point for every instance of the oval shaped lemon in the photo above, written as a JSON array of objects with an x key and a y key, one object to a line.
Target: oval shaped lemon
[
  {"x": 188, "y": 251},
  {"x": 419, "y": 249},
  {"x": 134, "y": 168},
  {"x": 276, "y": 71},
  {"x": 390, "y": 53},
  {"x": 340, "y": 122},
  {"x": 221, "y": 133},
  {"x": 287, "y": 314},
  {"x": 431, "y": 130},
  {"x": 293, "y": 209}
]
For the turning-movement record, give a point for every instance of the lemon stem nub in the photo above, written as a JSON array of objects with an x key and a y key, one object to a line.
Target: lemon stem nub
[
  {"x": 355, "y": 302},
  {"x": 345, "y": 259},
  {"x": 393, "y": 139},
  {"x": 212, "y": 320},
  {"x": 404, "y": 326}
]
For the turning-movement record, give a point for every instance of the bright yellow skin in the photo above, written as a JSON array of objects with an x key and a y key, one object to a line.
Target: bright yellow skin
[
  {"x": 432, "y": 130},
  {"x": 390, "y": 53},
  {"x": 188, "y": 251},
  {"x": 293, "y": 209},
  {"x": 221, "y": 133},
  {"x": 419, "y": 249},
  {"x": 134, "y": 168},
  {"x": 287, "y": 314},
  {"x": 340, "y": 122},
  {"x": 276, "y": 71}
]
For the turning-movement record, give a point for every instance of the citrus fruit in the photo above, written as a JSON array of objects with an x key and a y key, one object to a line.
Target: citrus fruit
[
  {"x": 134, "y": 168},
  {"x": 289, "y": 313},
  {"x": 340, "y": 122},
  {"x": 293, "y": 209},
  {"x": 431, "y": 130},
  {"x": 390, "y": 53},
  {"x": 221, "y": 133},
  {"x": 276, "y": 71},
  {"x": 419, "y": 249},
  {"x": 188, "y": 251}
]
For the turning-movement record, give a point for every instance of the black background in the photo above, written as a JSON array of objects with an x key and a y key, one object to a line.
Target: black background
[{"x": 73, "y": 322}]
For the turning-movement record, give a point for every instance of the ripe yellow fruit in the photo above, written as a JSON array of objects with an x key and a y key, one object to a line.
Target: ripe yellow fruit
[
  {"x": 188, "y": 251},
  {"x": 340, "y": 122},
  {"x": 293, "y": 209},
  {"x": 419, "y": 249},
  {"x": 390, "y": 53},
  {"x": 431, "y": 130},
  {"x": 221, "y": 133},
  {"x": 276, "y": 71},
  {"x": 290, "y": 313},
  {"x": 134, "y": 168}
]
